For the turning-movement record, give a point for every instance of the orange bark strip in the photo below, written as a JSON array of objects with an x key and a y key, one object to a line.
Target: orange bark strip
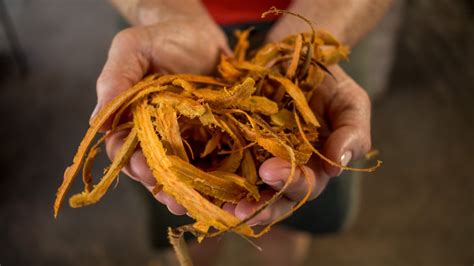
[
  {"x": 99, "y": 120},
  {"x": 168, "y": 127},
  {"x": 242, "y": 45},
  {"x": 120, "y": 160},
  {"x": 258, "y": 104},
  {"x": 249, "y": 170},
  {"x": 224, "y": 186},
  {"x": 277, "y": 149},
  {"x": 212, "y": 144},
  {"x": 291, "y": 71},
  {"x": 232, "y": 162},
  {"x": 266, "y": 53},
  {"x": 86, "y": 170},
  {"x": 227, "y": 70},
  {"x": 299, "y": 98},
  {"x": 251, "y": 189},
  {"x": 228, "y": 97},
  {"x": 185, "y": 106},
  {"x": 197, "y": 206}
]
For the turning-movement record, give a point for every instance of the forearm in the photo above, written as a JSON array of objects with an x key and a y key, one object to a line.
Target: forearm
[
  {"x": 146, "y": 12},
  {"x": 348, "y": 20}
]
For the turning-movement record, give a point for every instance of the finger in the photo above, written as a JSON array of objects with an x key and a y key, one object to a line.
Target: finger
[
  {"x": 225, "y": 50},
  {"x": 165, "y": 199},
  {"x": 137, "y": 168},
  {"x": 245, "y": 208},
  {"x": 229, "y": 207},
  {"x": 126, "y": 64},
  {"x": 275, "y": 173},
  {"x": 173, "y": 206},
  {"x": 348, "y": 111}
]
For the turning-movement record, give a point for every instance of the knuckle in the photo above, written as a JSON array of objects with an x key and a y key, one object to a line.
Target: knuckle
[
  {"x": 313, "y": 184},
  {"x": 101, "y": 91},
  {"x": 265, "y": 216},
  {"x": 365, "y": 142},
  {"x": 124, "y": 36},
  {"x": 365, "y": 99},
  {"x": 101, "y": 80},
  {"x": 362, "y": 98},
  {"x": 367, "y": 145},
  {"x": 364, "y": 111}
]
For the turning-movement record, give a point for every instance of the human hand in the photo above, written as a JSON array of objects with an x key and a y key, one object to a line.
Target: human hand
[
  {"x": 344, "y": 108},
  {"x": 184, "y": 45}
]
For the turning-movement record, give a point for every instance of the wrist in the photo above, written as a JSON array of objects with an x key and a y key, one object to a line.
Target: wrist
[
  {"x": 347, "y": 20},
  {"x": 149, "y": 12},
  {"x": 317, "y": 15}
]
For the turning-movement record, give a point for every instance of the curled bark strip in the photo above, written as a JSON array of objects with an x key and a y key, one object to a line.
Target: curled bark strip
[
  {"x": 329, "y": 161},
  {"x": 290, "y": 73},
  {"x": 95, "y": 125},
  {"x": 120, "y": 160},
  {"x": 88, "y": 163},
  {"x": 299, "y": 99},
  {"x": 175, "y": 236}
]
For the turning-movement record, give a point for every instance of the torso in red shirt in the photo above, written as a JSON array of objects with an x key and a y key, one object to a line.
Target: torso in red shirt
[{"x": 226, "y": 12}]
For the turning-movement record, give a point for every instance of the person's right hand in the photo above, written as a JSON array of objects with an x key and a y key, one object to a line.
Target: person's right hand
[{"x": 186, "y": 45}]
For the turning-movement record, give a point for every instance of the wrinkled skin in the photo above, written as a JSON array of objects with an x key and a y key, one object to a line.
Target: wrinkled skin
[{"x": 178, "y": 47}]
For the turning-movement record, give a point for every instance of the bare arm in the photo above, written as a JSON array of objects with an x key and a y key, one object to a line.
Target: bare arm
[
  {"x": 147, "y": 12},
  {"x": 348, "y": 20}
]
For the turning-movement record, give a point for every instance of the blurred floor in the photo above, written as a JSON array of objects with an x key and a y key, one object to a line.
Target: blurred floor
[{"x": 417, "y": 210}]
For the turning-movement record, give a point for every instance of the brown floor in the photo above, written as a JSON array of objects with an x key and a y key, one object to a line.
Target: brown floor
[{"x": 417, "y": 210}]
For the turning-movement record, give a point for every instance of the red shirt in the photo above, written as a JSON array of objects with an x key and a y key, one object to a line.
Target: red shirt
[{"x": 241, "y": 11}]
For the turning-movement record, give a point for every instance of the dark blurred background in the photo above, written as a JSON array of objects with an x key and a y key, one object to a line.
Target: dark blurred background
[{"x": 418, "y": 209}]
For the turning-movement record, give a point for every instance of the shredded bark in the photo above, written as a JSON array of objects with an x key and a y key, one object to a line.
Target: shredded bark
[{"x": 253, "y": 109}]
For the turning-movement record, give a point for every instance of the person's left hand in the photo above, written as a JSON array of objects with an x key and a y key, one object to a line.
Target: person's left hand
[{"x": 344, "y": 108}]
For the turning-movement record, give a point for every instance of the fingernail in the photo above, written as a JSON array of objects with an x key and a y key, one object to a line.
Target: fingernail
[
  {"x": 274, "y": 183},
  {"x": 229, "y": 207},
  {"x": 345, "y": 159},
  {"x": 274, "y": 178},
  {"x": 253, "y": 223},
  {"x": 94, "y": 113}
]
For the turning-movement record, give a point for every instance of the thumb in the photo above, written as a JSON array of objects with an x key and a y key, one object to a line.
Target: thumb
[{"x": 126, "y": 64}]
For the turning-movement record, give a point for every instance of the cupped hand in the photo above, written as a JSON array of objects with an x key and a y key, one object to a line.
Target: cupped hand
[
  {"x": 184, "y": 46},
  {"x": 344, "y": 108},
  {"x": 173, "y": 46}
]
